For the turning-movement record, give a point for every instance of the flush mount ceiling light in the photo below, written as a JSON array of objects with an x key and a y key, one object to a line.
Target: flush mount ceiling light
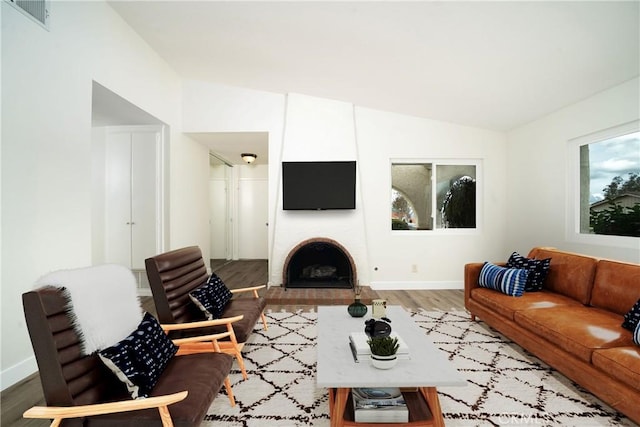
[{"x": 249, "y": 157}]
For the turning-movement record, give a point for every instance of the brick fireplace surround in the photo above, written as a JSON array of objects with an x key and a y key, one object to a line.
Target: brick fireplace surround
[{"x": 319, "y": 251}]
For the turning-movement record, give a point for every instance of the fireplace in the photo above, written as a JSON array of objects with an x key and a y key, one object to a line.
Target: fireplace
[{"x": 319, "y": 263}]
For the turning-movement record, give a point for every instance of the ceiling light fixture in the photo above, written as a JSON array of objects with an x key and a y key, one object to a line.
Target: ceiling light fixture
[{"x": 249, "y": 157}]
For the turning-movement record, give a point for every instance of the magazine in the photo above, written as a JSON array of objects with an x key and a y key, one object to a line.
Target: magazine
[{"x": 379, "y": 405}]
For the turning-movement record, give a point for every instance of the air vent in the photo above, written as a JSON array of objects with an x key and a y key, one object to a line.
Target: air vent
[{"x": 37, "y": 10}]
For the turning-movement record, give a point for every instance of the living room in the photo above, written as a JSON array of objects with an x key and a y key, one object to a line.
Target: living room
[{"x": 47, "y": 87}]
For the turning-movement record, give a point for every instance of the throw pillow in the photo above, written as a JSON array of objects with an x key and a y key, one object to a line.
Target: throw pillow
[
  {"x": 212, "y": 297},
  {"x": 509, "y": 281},
  {"x": 636, "y": 334},
  {"x": 632, "y": 318},
  {"x": 538, "y": 270},
  {"x": 139, "y": 359}
]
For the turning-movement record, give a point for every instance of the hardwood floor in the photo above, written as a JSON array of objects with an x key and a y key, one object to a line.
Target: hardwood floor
[{"x": 19, "y": 397}]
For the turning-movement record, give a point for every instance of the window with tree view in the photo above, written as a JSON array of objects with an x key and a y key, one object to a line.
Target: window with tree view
[
  {"x": 428, "y": 196},
  {"x": 610, "y": 186}
]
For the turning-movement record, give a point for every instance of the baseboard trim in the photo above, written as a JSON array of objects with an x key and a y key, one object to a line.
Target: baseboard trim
[
  {"x": 395, "y": 285},
  {"x": 16, "y": 373}
]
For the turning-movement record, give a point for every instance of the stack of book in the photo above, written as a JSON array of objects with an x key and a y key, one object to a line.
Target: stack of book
[
  {"x": 379, "y": 405},
  {"x": 361, "y": 350}
]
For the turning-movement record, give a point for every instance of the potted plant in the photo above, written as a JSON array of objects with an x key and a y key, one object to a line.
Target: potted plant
[{"x": 383, "y": 351}]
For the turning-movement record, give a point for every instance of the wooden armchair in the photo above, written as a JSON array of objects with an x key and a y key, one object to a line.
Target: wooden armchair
[
  {"x": 173, "y": 275},
  {"x": 81, "y": 391}
]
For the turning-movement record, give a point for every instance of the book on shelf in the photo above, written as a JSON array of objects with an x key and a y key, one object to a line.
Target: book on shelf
[
  {"x": 360, "y": 348},
  {"x": 382, "y": 405}
]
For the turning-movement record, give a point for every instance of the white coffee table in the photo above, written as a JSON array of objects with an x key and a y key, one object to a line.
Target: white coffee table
[{"x": 426, "y": 369}]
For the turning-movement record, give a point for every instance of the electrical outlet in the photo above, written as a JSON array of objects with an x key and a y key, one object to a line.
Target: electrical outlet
[{"x": 414, "y": 268}]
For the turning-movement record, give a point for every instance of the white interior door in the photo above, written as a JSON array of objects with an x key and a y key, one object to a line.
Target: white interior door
[
  {"x": 143, "y": 197},
  {"x": 253, "y": 198},
  {"x": 218, "y": 218},
  {"x": 118, "y": 199}
]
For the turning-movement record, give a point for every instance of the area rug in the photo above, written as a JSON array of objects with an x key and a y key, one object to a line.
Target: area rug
[{"x": 506, "y": 384}]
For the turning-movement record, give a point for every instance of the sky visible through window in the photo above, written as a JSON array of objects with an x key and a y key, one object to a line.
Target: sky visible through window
[{"x": 610, "y": 158}]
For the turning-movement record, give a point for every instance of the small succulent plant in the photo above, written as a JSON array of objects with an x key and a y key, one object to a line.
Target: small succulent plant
[{"x": 383, "y": 346}]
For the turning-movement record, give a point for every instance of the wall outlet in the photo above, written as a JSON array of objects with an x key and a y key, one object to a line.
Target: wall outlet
[{"x": 414, "y": 268}]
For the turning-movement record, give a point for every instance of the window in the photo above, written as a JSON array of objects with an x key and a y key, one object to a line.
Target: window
[
  {"x": 433, "y": 195},
  {"x": 604, "y": 181},
  {"x": 610, "y": 186}
]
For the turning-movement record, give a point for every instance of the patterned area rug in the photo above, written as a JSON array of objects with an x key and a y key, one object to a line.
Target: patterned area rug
[{"x": 506, "y": 384}]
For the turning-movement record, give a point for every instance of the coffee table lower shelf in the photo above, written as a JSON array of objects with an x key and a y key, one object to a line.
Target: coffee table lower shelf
[{"x": 423, "y": 405}]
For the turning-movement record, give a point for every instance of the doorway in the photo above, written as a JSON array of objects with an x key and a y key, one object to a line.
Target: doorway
[
  {"x": 238, "y": 194},
  {"x": 128, "y": 206}
]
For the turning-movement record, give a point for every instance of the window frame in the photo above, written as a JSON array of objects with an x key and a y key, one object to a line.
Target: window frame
[
  {"x": 435, "y": 162},
  {"x": 572, "y": 227}
]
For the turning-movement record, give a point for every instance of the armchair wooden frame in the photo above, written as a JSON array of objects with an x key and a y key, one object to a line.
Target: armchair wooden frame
[
  {"x": 59, "y": 413},
  {"x": 209, "y": 343}
]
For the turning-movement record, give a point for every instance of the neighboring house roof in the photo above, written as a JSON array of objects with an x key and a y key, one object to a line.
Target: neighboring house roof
[{"x": 626, "y": 200}]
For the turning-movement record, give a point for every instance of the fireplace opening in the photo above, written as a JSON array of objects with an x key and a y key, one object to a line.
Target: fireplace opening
[{"x": 319, "y": 263}]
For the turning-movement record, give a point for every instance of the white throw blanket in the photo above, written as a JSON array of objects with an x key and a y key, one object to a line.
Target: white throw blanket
[{"x": 104, "y": 303}]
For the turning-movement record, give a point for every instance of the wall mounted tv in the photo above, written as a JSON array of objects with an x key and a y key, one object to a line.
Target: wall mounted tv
[{"x": 318, "y": 185}]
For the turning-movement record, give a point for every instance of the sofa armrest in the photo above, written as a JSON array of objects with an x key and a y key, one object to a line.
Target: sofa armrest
[
  {"x": 471, "y": 275},
  {"x": 58, "y": 413}
]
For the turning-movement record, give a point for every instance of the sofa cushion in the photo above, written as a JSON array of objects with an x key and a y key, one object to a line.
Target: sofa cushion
[
  {"x": 202, "y": 375},
  {"x": 632, "y": 317},
  {"x": 576, "y": 329},
  {"x": 509, "y": 281},
  {"x": 569, "y": 274},
  {"x": 538, "y": 270},
  {"x": 622, "y": 363},
  {"x": 506, "y": 305},
  {"x": 139, "y": 359},
  {"x": 616, "y": 286},
  {"x": 251, "y": 308},
  {"x": 212, "y": 297}
]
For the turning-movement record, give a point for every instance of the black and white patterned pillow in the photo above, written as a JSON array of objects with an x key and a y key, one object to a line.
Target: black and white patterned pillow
[
  {"x": 509, "y": 281},
  {"x": 538, "y": 270},
  {"x": 636, "y": 335},
  {"x": 632, "y": 318},
  {"x": 139, "y": 359},
  {"x": 212, "y": 297}
]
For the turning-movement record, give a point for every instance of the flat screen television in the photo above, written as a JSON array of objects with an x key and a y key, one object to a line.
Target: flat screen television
[{"x": 319, "y": 185}]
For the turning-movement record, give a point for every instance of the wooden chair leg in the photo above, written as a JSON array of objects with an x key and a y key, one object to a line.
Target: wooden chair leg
[
  {"x": 264, "y": 321},
  {"x": 227, "y": 386},
  {"x": 165, "y": 417},
  {"x": 241, "y": 365}
]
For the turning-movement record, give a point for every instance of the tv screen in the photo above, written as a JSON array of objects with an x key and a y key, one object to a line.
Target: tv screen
[{"x": 318, "y": 185}]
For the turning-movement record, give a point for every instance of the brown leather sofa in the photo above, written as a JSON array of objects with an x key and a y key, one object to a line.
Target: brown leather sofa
[
  {"x": 74, "y": 380},
  {"x": 574, "y": 323}
]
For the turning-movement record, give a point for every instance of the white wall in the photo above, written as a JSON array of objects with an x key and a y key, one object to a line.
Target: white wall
[
  {"x": 539, "y": 178},
  {"x": 46, "y": 147},
  {"x": 439, "y": 256}
]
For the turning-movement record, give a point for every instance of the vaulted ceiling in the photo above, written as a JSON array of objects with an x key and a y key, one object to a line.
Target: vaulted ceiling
[{"x": 495, "y": 65}]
